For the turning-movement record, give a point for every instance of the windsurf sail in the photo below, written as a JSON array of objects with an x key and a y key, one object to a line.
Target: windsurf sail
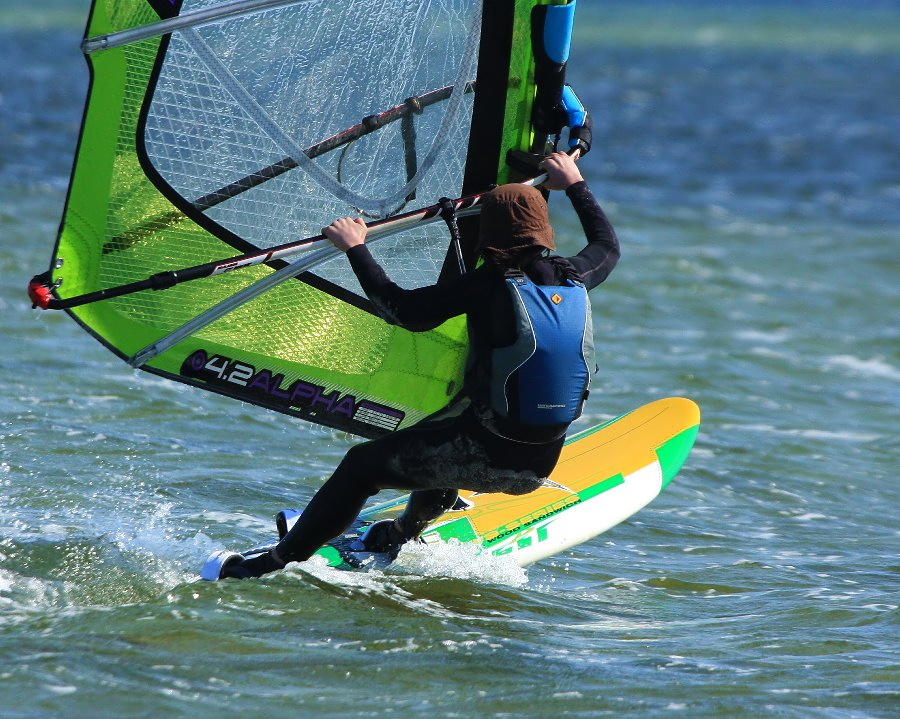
[{"x": 219, "y": 138}]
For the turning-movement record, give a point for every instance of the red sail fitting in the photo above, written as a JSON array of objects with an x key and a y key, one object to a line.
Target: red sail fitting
[{"x": 39, "y": 291}]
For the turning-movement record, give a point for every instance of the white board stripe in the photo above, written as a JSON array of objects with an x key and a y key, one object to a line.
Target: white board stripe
[{"x": 586, "y": 520}]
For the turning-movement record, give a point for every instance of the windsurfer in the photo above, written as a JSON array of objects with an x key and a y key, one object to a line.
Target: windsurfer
[{"x": 478, "y": 442}]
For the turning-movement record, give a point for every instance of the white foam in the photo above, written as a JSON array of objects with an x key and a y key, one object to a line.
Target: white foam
[
  {"x": 21, "y": 596},
  {"x": 459, "y": 561},
  {"x": 810, "y": 516},
  {"x": 776, "y": 337},
  {"x": 875, "y": 367},
  {"x": 441, "y": 560},
  {"x": 844, "y": 435}
]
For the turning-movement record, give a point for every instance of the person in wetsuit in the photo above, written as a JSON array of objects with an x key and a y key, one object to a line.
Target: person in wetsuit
[{"x": 468, "y": 445}]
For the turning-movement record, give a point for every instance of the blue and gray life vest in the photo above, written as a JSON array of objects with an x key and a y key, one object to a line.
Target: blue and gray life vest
[{"x": 543, "y": 377}]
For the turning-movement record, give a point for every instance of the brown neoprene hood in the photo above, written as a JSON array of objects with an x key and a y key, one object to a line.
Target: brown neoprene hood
[{"x": 514, "y": 218}]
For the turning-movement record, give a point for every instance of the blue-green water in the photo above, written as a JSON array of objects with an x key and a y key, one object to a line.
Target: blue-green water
[{"x": 749, "y": 155}]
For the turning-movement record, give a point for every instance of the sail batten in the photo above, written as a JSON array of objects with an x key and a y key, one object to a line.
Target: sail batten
[{"x": 186, "y": 21}]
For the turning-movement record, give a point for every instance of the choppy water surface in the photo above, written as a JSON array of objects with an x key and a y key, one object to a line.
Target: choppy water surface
[{"x": 748, "y": 155}]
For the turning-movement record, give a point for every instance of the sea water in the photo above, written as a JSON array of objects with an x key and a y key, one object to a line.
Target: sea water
[{"x": 749, "y": 156}]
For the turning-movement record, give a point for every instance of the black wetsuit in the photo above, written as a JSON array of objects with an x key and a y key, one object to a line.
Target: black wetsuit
[{"x": 461, "y": 447}]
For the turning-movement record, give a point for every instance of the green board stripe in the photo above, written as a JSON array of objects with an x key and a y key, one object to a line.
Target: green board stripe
[
  {"x": 601, "y": 487},
  {"x": 460, "y": 529},
  {"x": 673, "y": 453}
]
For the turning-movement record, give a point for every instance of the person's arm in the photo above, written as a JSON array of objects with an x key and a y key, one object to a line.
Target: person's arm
[
  {"x": 418, "y": 309},
  {"x": 598, "y": 259}
]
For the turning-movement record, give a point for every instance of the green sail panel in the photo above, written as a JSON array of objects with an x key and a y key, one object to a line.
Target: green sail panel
[{"x": 246, "y": 125}]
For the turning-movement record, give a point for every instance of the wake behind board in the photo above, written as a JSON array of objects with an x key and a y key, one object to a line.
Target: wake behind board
[{"x": 605, "y": 474}]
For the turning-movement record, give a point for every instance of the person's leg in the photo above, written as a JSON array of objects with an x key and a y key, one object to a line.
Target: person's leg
[
  {"x": 425, "y": 459},
  {"x": 423, "y": 507},
  {"x": 365, "y": 470},
  {"x": 387, "y": 536},
  {"x": 333, "y": 508},
  {"x": 329, "y": 513}
]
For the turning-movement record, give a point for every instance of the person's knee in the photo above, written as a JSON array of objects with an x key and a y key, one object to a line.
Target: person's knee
[
  {"x": 359, "y": 468},
  {"x": 423, "y": 508},
  {"x": 446, "y": 501}
]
